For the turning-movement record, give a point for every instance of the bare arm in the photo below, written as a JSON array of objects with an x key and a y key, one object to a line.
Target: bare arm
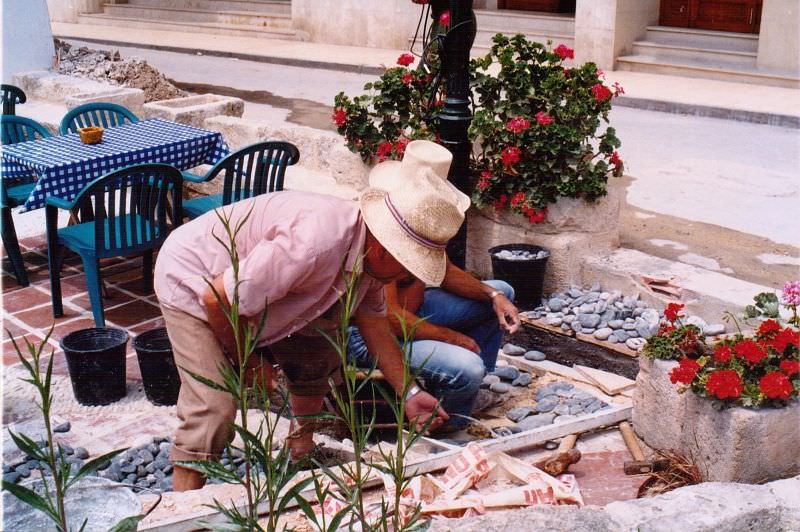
[{"x": 217, "y": 318}]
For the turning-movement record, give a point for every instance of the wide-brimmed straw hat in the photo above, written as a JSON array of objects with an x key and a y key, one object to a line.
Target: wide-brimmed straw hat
[
  {"x": 418, "y": 213},
  {"x": 419, "y": 154}
]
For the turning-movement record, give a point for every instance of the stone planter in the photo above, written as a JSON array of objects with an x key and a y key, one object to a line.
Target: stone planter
[
  {"x": 132, "y": 99},
  {"x": 194, "y": 110},
  {"x": 741, "y": 444},
  {"x": 658, "y": 408},
  {"x": 574, "y": 230}
]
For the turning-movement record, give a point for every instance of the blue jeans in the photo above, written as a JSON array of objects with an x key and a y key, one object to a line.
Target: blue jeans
[{"x": 451, "y": 373}]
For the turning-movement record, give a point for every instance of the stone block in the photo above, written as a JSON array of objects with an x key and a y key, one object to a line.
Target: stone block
[
  {"x": 658, "y": 408},
  {"x": 51, "y": 87},
  {"x": 741, "y": 444},
  {"x": 194, "y": 110},
  {"x": 538, "y": 517},
  {"x": 130, "y": 98},
  {"x": 787, "y": 493}
]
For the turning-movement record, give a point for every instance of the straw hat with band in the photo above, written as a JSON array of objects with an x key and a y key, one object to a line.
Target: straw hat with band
[{"x": 418, "y": 214}]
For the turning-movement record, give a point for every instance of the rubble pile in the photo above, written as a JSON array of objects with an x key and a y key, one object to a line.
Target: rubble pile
[{"x": 106, "y": 66}]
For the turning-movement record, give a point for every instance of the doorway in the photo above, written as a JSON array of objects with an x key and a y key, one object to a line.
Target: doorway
[{"x": 740, "y": 16}]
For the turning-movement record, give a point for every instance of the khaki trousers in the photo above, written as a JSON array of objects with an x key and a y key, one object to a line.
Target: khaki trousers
[{"x": 206, "y": 415}]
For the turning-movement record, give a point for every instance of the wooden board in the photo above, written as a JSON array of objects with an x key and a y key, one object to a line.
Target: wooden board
[
  {"x": 610, "y": 383},
  {"x": 588, "y": 338}
]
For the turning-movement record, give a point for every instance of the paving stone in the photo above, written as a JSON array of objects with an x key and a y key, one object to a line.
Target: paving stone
[
  {"x": 565, "y": 418},
  {"x": 513, "y": 350},
  {"x": 535, "y": 355},
  {"x": 534, "y": 422},
  {"x": 561, "y": 410},
  {"x": 81, "y": 453},
  {"x": 11, "y": 477},
  {"x": 546, "y": 404},
  {"x": 146, "y": 456},
  {"x": 714, "y": 329},
  {"x": 23, "y": 471},
  {"x": 569, "y": 318},
  {"x": 63, "y": 427},
  {"x": 523, "y": 380},
  {"x": 616, "y": 324},
  {"x": 555, "y": 322},
  {"x": 556, "y": 304},
  {"x": 518, "y": 414},
  {"x": 506, "y": 373},
  {"x": 634, "y": 343},
  {"x": 603, "y": 334}
]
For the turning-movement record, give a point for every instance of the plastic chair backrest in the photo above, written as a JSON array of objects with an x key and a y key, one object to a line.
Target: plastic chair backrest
[
  {"x": 256, "y": 169},
  {"x": 130, "y": 207},
  {"x": 12, "y": 95},
  {"x": 97, "y": 114},
  {"x": 14, "y": 129}
]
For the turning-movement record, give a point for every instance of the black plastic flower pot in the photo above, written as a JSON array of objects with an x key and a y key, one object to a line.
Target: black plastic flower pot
[
  {"x": 526, "y": 276},
  {"x": 157, "y": 365},
  {"x": 96, "y": 362}
]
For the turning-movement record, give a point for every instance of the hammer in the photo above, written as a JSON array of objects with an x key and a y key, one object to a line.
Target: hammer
[
  {"x": 562, "y": 458},
  {"x": 638, "y": 465}
]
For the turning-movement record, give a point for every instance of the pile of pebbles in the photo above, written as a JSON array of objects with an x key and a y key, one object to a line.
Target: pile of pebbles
[
  {"x": 519, "y": 254},
  {"x": 608, "y": 316},
  {"x": 19, "y": 471},
  {"x": 503, "y": 378},
  {"x": 557, "y": 402}
]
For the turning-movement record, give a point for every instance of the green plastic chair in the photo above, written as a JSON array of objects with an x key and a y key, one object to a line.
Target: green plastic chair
[
  {"x": 14, "y": 192},
  {"x": 256, "y": 169},
  {"x": 123, "y": 213},
  {"x": 97, "y": 114},
  {"x": 11, "y": 96}
]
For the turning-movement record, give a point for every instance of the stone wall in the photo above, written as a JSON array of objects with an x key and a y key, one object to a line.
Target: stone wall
[
  {"x": 779, "y": 40},
  {"x": 573, "y": 231}
]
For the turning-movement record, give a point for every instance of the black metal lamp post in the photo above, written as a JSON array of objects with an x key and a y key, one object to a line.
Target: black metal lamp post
[{"x": 455, "y": 117}]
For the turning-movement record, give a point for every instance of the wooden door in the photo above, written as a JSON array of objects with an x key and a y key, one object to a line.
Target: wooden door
[
  {"x": 548, "y": 6},
  {"x": 742, "y": 16}
]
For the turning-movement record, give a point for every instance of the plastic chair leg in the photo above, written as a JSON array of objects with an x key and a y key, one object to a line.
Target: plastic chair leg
[
  {"x": 147, "y": 270},
  {"x": 12, "y": 247},
  {"x": 54, "y": 259},
  {"x": 91, "y": 268}
]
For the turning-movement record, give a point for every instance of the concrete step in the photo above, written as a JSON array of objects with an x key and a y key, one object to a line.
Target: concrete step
[
  {"x": 708, "y": 56},
  {"x": 192, "y": 27},
  {"x": 706, "y": 293},
  {"x": 168, "y": 14},
  {"x": 523, "y": 22},
  {"x": 484, "y": 37},
  {"x": 706, "y": 39},
  {"x": 690, "y": 69},
  {"x": 283, "y": 7}
]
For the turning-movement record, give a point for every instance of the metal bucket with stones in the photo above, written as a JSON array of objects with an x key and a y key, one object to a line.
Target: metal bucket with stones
[
  {"x": 526, "y": 276},
  {"x": 96, "y": 361},
  {"x": 157, "y": 365},
  {"x": 101, "y": 502}
]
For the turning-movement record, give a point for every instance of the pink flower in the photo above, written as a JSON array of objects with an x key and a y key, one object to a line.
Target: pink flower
[
  {"x": 444, "y": 19},
  {"x": 543, "y": 119},
  {"x": 601, "y": 92},
  {"x": 790, "y": 295},
  {"x": 517, "y": 125},
  {"x": 618, "y": 89},
  {"x": 564, "y": 51},
  {"x": 510, "y": 155},
  {"x": 405, "y": 59}
]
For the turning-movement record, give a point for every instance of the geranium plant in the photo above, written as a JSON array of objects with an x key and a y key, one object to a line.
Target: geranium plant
[
  {"x": 535, "y": 128},
  {"x": 675, "y": 339}
]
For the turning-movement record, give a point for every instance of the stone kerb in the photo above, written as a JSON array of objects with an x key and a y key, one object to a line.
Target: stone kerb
[
  {"x": 658, "y": 408},
  {"x": 71, "y": 91},
  {"x": 194, "y": 110},
  {"x": 574, "y": 230}
]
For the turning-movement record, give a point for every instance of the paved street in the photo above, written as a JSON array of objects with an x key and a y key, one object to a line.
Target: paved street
[{"x": 716, "y": 193}]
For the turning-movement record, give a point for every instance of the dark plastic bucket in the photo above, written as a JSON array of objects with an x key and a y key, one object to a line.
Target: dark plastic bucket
[
  {"x": 525, "y": 276},
  {"x": 96, "y": 361},
  {"x": 159, "y": 374}
]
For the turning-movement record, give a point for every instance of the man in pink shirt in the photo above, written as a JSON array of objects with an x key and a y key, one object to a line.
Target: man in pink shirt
[{"x": 294, "y": 250}]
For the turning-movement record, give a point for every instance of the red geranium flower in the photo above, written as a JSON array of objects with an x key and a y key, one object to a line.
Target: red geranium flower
[
  {"x": 615, "y": 159},
  {"x": 400, "y": 145},
  {"x": 405, "y": 59},
  {"x": 723, "y": 354},
  {"x": 536, "y": 217},
  {"x": 601, "y": 92},
  {"x": 750, "y": 351},
  {"x": 444, "y": 19},
  {"x": 500, "y": 204},
  {"x": 384, "y": 150},
  {"x": 673, "y": 311},
  {"x": 784, "y": 339},
  {"x": 790, "y": 367},
  {"x": 517, "y": 199},
  {"x": 775, "y": 385},
  {"x": 339, "y": 117},
  {"x": 566, "y": 72},
  {"x": 510, "y": 155},
  {"x": 724, "y": 384},
  {"x": 769, "y": 328},
  {"x": 543, "y": 119},
  {"x": 685, "y": 372},
  {"x": 517, "y": 125},
  {"x": 564, "y": 51},
  {"x": 483, "y": 182},
  {"x": 407, "y": 78}
]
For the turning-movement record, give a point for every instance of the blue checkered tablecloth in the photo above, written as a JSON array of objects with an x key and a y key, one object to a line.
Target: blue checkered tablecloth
[{"x": 64, "y": 165}]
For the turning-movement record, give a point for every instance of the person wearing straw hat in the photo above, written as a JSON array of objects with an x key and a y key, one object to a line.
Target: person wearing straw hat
[
  {"x": 458, "y": 340},
  {"x": 293, "y": 249}
]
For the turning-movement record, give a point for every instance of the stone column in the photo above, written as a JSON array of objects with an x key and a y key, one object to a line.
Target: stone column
[
  {"x": 606, "y": 29},
  {"x": 27, "y": 38},
  {"x": 779, "y": 39},
  {"x": 68, "y": 10}
]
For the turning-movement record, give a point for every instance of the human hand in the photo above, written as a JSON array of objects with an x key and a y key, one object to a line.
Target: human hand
[
  {"x": 507, "y": 313},
  {"x": 423, "y": 406},
  {"x": 462, "y": 340}
]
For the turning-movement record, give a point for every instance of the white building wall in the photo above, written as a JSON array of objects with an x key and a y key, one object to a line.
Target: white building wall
[{"x": 26, "y": 36}]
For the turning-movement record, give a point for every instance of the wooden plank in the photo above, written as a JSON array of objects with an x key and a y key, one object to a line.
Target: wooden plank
[
  {"x": 611, "y": 383},
  {"x": 588, "y": 338}
]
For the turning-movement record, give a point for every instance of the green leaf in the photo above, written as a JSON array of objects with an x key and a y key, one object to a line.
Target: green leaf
[
  {"x": 28, "y": 446},
  {"x": 128, "y": 524}
]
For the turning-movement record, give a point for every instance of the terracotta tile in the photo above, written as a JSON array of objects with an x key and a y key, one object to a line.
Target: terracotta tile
[
  {"x": 132, "y": 313},
  {"x": 115, "y": 297},
  {"x": 42, "y": 317},
  {"x": 10, "y": 353},
  {"x": 63, "y": 329},
  {"x": 137, "y": 286},
  {"x": 602, "y": 479},
  {"x": 35, "y": 242},
  {"x": 10, "y": 283},
  {"x": 25, "y": 299},
  {"x": 12, "y": 330},
  {"x": 71, "y": 285}
]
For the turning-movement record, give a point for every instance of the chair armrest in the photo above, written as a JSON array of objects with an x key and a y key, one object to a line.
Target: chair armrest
[
  {"x": 60, "y": 203},
  {"x": 194, "y": 178}
]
